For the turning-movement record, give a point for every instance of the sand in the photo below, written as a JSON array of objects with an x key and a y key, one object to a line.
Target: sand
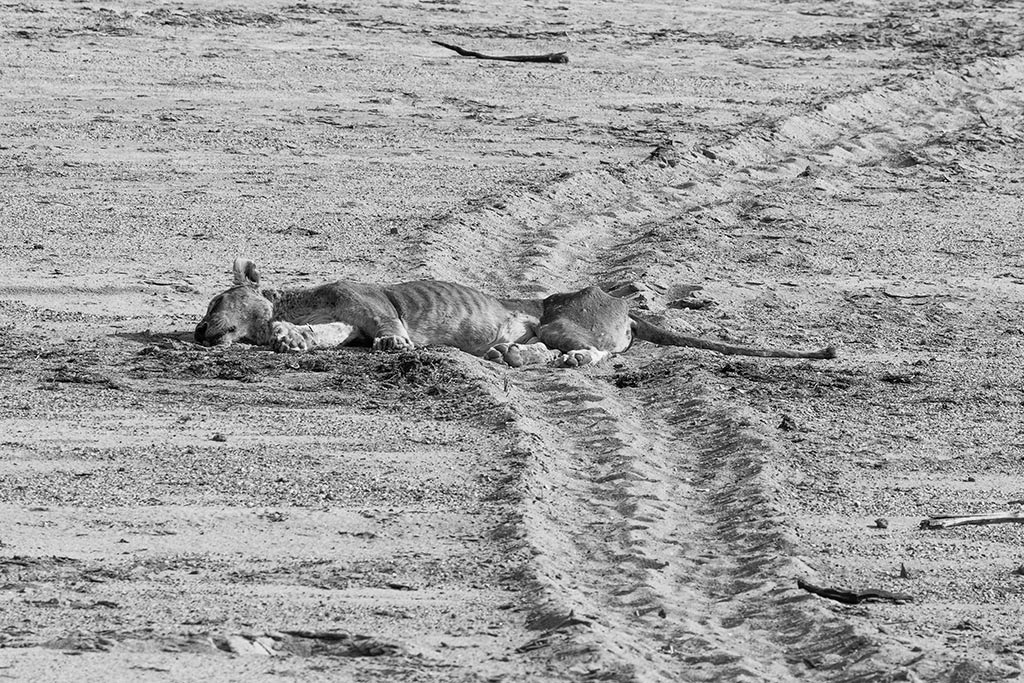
[{"x": 776, "y": 173}]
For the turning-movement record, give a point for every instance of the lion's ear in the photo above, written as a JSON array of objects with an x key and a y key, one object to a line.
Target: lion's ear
[{"x": 245, "y": 272}]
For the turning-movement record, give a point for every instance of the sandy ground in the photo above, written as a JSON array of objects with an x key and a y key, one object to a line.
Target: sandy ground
[{"x": 830, "y": 172}]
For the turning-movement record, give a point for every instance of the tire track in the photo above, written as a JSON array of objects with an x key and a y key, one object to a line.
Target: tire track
[
  {"x": 653, "y": 515},
  {"x": 564, "y": 234},
  {"x": 539, "y": 241},
  {"x": 893, "y": 125}
]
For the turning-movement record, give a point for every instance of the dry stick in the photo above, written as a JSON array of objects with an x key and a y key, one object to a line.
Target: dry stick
[
  {"x": 946, "y": 521},
  {"x": 854, "y": 597},
  {"x": 551, "y": 58}
]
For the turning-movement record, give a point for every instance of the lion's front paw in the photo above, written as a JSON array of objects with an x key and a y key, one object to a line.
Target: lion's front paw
[
  {"x": 392, "y": 343},
  {"x": 286, "y": 337}
]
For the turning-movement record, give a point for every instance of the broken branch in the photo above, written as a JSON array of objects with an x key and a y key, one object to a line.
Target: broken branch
[
  {"x": 854, "y": 597},
  {"x": 551, "y": 58},
  {"x": 946, "y": 521}
]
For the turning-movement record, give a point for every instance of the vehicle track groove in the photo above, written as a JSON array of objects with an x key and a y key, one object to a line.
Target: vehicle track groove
[{"x": 679, "y": 494}]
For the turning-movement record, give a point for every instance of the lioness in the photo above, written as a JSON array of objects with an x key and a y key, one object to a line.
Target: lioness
[{"x": 571, "y": 329}]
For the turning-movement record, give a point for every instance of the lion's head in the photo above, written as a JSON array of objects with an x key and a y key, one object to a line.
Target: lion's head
[{"x": 241, "y": 313}]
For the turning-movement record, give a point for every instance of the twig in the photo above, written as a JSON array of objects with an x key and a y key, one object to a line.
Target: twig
[
  {"x": 551, "y": 58},
  {"x": 854, "y": 597},
  {"x": 946, "y": 521}
]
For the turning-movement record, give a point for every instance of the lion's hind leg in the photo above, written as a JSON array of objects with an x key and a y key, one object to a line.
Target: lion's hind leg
[{"x": 588, "y": 326}]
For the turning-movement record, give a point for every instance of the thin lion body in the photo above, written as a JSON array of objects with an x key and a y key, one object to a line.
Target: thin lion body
[{"x": 569, "y": 329}]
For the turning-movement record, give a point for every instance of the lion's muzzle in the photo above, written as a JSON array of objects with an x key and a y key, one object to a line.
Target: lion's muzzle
[
  {"x": 200, "y": 334},
  {"x": 207, "y": 337}
]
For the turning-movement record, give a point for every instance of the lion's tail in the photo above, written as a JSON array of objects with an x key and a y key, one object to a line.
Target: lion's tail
[{"x": 652, "y": 333}]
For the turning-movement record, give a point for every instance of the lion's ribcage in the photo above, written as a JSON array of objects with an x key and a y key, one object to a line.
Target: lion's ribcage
[{"x": 445, "y": 313}]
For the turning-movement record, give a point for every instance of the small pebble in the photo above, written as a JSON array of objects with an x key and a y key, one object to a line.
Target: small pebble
[{"x": 787, "y": 424}]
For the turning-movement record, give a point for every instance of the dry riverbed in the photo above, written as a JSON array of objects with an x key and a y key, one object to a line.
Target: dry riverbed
[{"x": 784, "y": 173}]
